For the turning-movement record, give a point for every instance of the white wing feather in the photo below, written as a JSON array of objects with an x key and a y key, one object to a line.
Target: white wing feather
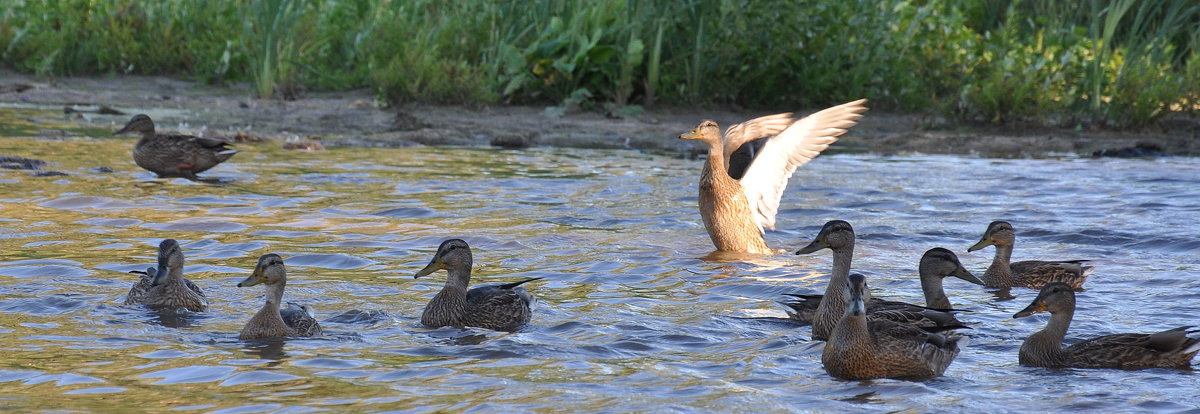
[
  {"x": 761, "y": 127},
  {"x": 768, "y": 175}
]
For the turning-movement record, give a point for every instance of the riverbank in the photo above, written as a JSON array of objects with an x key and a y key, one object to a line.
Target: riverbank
[{"x": 353, "y": 118}]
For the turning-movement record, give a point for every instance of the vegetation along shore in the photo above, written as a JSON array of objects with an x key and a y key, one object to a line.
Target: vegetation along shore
[{"x": 1054, "y": 76}]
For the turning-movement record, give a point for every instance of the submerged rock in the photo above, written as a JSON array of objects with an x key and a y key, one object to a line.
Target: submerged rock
[
  {"x": 516, "y": 140},
  {"x": 11, "y": 162},
  {"x": 1141, "y": 150}
]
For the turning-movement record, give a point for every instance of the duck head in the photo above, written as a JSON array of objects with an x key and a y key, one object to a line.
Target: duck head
[
  {"x": 707, "y": 131},
  {"x": 940, "y": 262},
  {"x": 268, "y": 271},
  {"x": 999, "y": 233},
  {"x": 836, "y": 234},
  {"x": 170, "y": 258},
  {"x": 451, "y": 254},
  {"x": 1055, "y": 297},
  {"x": 140, "y": 123},
  {"x": 859, "y": 294}
]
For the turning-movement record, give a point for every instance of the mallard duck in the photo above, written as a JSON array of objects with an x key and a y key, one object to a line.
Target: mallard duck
[
  {"x": 497, "y": 307},
  {"x": 736, "y": 212},
  {"x": 1029, "y": 273},
  {"x": 165, "y": 287},
  {"x": 297, "y": 314},
  {"x": 860, "y": 349},
  {"x": 936, "y": 264},
  {"x": 271, "y": 321},
  {"x": 175, "y": 155},
  {"x": 1167, "y": 349},
  {"x": 838, "y": 236}
]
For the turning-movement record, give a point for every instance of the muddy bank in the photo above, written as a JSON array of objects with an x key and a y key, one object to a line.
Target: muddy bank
[{"x": 353, "y": 118}]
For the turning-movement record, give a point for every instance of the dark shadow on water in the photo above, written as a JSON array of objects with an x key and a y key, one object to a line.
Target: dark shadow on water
[
  {"x": 731, "y": 257},
  {"x": 355, "y": 316},
  {"x": 459, "y": 336},
  {"x": 214, "y": 180},
  {"x": 864, "y": 398},
  {"x": 1003, "y": 294},
  {"x": 773, "y": 322},
  {"x": 268, "y": 349},
  {"x": 172, "y": 318}
]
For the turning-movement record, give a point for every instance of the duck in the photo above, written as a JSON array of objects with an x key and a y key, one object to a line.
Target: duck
[
  {"x": 297, "y": 313},
  {"x": 271, "y": 321},
  {"x": 1028, "y": 273},
  {"x": 1171, "y": 348},
  {"x": 165, "y": 287},
  {"x": 838, "y": 236},
  {"x": 860, "y": 349},
  {"x": 936, "y": 264},
  {"x": 504, "y": 307},
  {"x": 738, "y": 211},
  {"x": 175, "y": 155}
]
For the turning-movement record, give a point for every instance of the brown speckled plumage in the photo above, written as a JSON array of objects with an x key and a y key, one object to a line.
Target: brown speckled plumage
[
  {"x": 1167, "y": 349},
  {"x": 271, "y": 321},
  {"x": 165, "y": 287},
  {"x": 736, "y": 212},
  {"x": 936, "y": 264},
  {"x": 174, "y": 155},
  {"x": 497, "y": 307},
  {"x": 838, "y": 236},
  {"x": 1029, "y": 273},
  {"x": 860, "y": 349}
]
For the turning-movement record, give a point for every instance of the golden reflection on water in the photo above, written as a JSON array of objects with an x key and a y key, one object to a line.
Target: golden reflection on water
[
  {"x": 632, "y": 316},
  {"x": 104, "y": 224}
]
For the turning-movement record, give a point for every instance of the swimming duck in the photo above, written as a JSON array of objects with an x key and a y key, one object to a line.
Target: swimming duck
[
  {"x": 271, "y": 321},
  {"x": 165, "y": 287},
  {"x": 297, "y": 313},
  {"x": 1167, "y": 349},
  {"x": 503, "y": 307},
  {"x": 838, "y": 236},
  {"x": 175, "y": 155},
  {"x": 936, "y": 264},
  {"x": 736, "y": 212},
  {"x": 860, "y": 349},
  {"x": 1029, "y": 273}
]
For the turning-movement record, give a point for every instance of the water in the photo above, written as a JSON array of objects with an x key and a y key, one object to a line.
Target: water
[{"x": 631, "y": 319}]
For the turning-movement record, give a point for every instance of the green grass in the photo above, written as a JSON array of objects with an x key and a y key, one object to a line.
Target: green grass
[{"x": 1115, "y": 63}]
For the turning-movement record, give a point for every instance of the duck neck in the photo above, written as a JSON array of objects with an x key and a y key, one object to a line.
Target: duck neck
[
  {"x": 841, "y": 271},
  {"x": 174, "y": 277},
  {"x": 935, "y": 296},
  {"x": 716, "y": 167},
  {"x": 174, "y": 285},
  {"x": 268, "y": 320},
  {"x": 449, "y": 306},
  {"x": 275, "y": 295},
  {"x": 270, "y": 309},
  {"x": 1044, "y": 348},
  {"x": 147, "y": 137},
  {"x": 833, "y": 304},
  {"x": 999, "y": 274}
]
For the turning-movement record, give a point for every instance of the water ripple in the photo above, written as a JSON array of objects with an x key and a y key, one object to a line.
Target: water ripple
[{"x": 634, "y": 313}]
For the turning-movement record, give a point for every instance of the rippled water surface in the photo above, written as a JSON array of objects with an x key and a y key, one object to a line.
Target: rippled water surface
[{"x": 631, "y": 318}]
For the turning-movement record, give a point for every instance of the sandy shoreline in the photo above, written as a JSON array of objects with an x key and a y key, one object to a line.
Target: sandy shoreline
[{"x": 352, "y": 118}]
